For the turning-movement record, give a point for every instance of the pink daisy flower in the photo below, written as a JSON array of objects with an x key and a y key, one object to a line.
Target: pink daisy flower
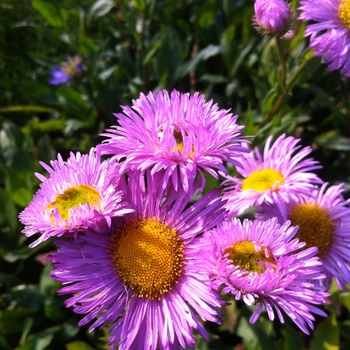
[
  {"x": 282, "y": 173},
  {"x": 324, "y": 222},
  {"x": 144, "y": 277},
  {"x": 259, "y": 262},
  {"x": 78, "y": 193},
  {"x": 176, "y": 134},
  {"x": 329, "y": 31}
]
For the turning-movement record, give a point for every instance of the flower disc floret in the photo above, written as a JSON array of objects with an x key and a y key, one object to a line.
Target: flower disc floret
[
  {"x": 282, "y": 172},
  {"x": 248, "y": 257},
  {"x": 78, "y": 193},
  {"x": 176, "y": 134},
  {"x": 316, "y": 226},
  {"x": 148, "y": 255},
  {"x": 260, "y": 263}
]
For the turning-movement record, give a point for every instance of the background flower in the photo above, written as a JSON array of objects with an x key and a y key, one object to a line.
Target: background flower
[{"x": 68, "y": 69}]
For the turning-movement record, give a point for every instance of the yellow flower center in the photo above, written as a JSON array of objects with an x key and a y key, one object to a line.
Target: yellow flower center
[
  {"x": 72, "y": 197},
  {"x": 247, "y": 257},
  {"x": 70, "y": 66},
  {"x": 344, "y": 13},
  {"x": 263, "y": 180},
  {"x": 316, "y": 227},
  {"x": 148, "y": 256},
  {"x": 180, "y": 142}
]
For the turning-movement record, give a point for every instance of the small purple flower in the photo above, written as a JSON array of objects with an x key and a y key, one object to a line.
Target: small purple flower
[
  {"x": 178, "y": 135},
  {"x": 79, "y": 193},
  {"x": 324, "y": 222},
  {"x": 144, "y": 277},
  {"x": 272, "y": 17},
  {"x": 69, "y": 69},
  {"x": 329, "y": 31},
  {"x": 260, "y": 262},
  {"x": 282, "y": 172}
]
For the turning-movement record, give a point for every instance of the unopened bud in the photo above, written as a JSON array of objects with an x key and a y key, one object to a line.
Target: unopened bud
[{"x": 272, "y": 17}]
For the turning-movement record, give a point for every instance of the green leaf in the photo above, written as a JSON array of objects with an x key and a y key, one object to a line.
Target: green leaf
[
  {"x": 99, "y": 9},
  {"x": 331, "y": 141},
  {"x": 53, "y": 309},
  {"x": 72, "y": 101},
  {"x": 8, "y": 214},
  {"x": 344, "y": 298},
  {"x": 27, "y": 109},
  {"x": 139, "y": 4},
  {"x": 4, "y": 344},
  {"x": 292, "y": 340},
  {"x": 47, "y": 285},
  {"x": 40, "y": 340},
  {"x": 72, "y": 125},
  {"x": 52, "y": 13},
  {"x": 13, "y": 321},
  {"x": 326, "y": 335},
  {"x": 26, "y": 329},
  {"x": 105, "y": 74},
  {"x": 203, "y": 55},
  {"x": 78, "y": 345},
  {"x": 47, "y": 125},
  {"x": 213, "y": 79},
  {"x": 22, "y": 196}
]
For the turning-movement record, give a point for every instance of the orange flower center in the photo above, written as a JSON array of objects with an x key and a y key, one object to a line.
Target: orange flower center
[
  {"x": 316, "y": 226},
  {"x": 149, "y": 256}
]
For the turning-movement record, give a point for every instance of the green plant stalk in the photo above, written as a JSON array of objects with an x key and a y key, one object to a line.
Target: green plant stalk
[
  {"x": 282, "y": 61},
  {"x": 288, "y": 87}
]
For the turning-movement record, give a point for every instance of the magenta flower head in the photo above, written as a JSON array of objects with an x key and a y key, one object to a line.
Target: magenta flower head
[
  {"x": 144, "y": 277},
  {"x": 324, "y": 222},
  {"x": 272, "y": 17},
  {"x": 176, "y": 134},
  {"x": 64, "y": 73},
  {"x": 329, "y": 31},
  {"x": 282, "y": 172},
  {"x": 78, "y": 193},
  {"x": 260, "y": 262}
]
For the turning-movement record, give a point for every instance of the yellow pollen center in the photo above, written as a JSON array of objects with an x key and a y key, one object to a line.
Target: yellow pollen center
[
  {"x": 148, "y": 256},
  {"x": 247, "y": 257},
  {"x": 316, "y": 227},
  {"x": 263, "y": 180},
  {"x": 70, "y": 67},
  {"x": 344, "y": 13},
  {"x": 72, "y": 197},
  {"x": 180, "y": 143}
]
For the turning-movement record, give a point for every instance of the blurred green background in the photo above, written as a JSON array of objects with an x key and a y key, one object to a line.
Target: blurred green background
[{"x": 128, "y": 47}]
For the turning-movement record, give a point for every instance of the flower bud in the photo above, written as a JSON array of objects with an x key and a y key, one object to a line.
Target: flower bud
[{"x": 272, "y": 17}]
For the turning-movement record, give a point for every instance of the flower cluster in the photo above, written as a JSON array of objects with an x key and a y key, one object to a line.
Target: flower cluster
[{"x": 142, "y": 249}]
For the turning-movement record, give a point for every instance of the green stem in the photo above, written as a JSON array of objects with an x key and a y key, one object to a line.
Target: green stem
[
  {"x": 288, "y": 87},
  {"x": 282, "y": 60}
]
